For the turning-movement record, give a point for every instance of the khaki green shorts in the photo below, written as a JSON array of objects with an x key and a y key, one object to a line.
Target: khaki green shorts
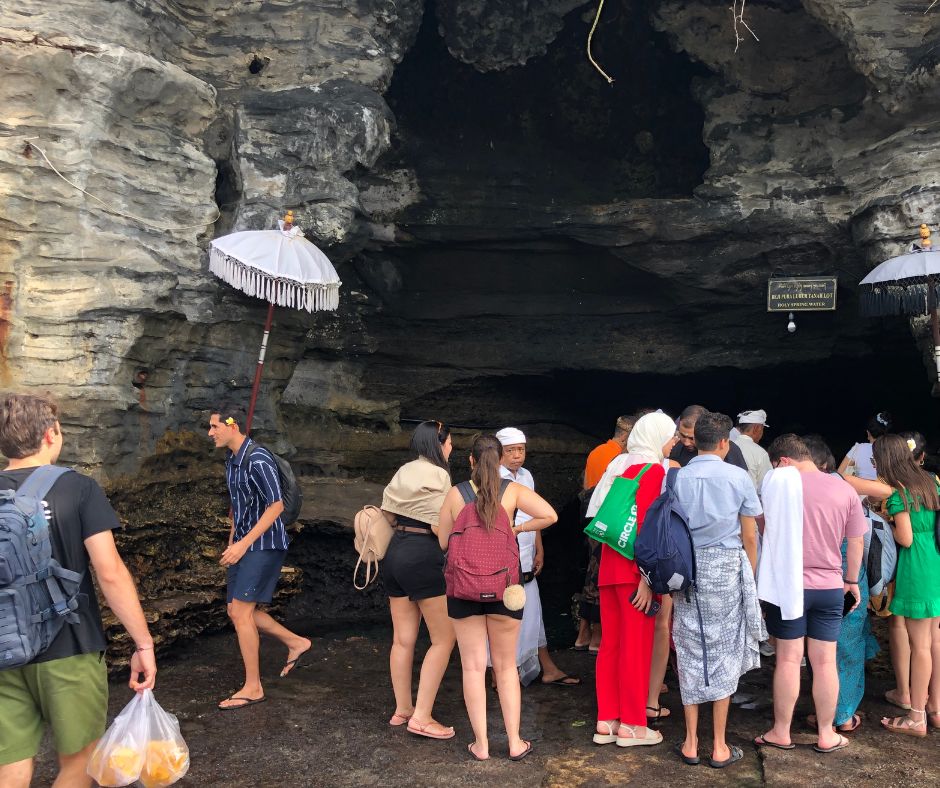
[{"x": 70, "y": 695}]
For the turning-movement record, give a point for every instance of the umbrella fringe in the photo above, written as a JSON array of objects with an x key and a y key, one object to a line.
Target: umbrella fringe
[
  {"x": 313, "y": 297},
  {"x": 911, "y": 298}
]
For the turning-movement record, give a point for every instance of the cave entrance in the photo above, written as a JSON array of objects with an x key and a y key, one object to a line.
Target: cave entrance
[{"x": 553, "y": 128}]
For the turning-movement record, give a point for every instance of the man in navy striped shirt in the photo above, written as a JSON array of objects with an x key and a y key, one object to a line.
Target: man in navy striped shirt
[{"x": 256, "y": 550}]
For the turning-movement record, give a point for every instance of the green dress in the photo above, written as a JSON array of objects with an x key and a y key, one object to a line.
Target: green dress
[{"x": 917, "y": 586}]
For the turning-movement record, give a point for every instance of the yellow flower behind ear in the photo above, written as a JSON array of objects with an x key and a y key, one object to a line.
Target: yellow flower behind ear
[
  {"x": 230, "y": 421},
  {"x": 910, "y": 444}
]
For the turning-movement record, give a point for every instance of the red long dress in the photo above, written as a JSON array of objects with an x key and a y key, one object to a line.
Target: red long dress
[{"x": 623, "y": 662}]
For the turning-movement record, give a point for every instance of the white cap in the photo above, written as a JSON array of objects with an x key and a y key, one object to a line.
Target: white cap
[
  {"x": 753, "y": 417},
  {"x": 510, "y": 436}
]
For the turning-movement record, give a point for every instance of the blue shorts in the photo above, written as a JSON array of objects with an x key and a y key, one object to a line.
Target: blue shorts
[
  {"x": 254, "y": 578},
  {"x": 821, "y": 619}
]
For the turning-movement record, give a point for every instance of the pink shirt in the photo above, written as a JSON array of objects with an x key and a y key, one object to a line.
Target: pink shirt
[{"x": 831, "y": 513}]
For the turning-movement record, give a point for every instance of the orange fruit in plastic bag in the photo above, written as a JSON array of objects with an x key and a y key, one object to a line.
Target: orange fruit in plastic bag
[
  {"x": 120, "y": 766},
  {"x": 165, "y": 763}
]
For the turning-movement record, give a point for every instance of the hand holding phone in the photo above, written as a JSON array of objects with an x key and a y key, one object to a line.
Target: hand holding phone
[{"x": 848, "y": 603}]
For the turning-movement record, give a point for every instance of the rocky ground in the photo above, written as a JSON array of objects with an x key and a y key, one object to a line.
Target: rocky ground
[{"x": 326, "y": 726}]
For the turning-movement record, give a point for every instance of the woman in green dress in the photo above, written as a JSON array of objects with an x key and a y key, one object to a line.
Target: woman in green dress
[{"x": 914, "y": 504}]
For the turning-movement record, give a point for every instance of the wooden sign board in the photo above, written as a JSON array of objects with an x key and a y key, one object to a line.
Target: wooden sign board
[{"x": 802, "y": 294}]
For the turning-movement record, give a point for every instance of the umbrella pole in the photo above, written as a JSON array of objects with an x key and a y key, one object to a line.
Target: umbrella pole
[
  {"x": 935, "y": 328},
  {"x": 257, "y": 383}
]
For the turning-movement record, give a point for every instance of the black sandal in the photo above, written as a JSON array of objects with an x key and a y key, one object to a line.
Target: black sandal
[{"x": 658, "y": 713}]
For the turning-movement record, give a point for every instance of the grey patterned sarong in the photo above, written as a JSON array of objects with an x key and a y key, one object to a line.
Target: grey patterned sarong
[{"x": 730, "y": 621}]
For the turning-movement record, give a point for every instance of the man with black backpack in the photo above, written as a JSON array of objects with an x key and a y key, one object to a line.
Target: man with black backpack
[
  {"x": 56, "y": 524},
  {"x": 716, "y": 624},
  {"x": 256, "y": 550}
]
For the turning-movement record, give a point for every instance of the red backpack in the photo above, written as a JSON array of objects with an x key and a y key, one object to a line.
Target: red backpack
[{"x": 481, "y": 563}]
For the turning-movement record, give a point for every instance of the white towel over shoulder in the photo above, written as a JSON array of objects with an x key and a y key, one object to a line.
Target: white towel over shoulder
[{"x": 780, "y": 572}]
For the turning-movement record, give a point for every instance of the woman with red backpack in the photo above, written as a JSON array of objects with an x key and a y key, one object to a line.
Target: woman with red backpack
[{"x": 475, "y": 527}]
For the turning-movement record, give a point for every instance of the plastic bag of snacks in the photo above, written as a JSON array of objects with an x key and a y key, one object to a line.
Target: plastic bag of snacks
[{"x": 143, "y": 743}]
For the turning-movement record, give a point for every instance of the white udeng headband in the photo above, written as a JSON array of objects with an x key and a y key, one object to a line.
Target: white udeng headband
[{"x": 510, "y": 436}]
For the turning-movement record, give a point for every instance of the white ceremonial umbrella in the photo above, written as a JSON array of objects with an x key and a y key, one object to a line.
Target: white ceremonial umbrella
[
  {"x": 906, "y": 285},
  {"x": 280, "y": 266}
]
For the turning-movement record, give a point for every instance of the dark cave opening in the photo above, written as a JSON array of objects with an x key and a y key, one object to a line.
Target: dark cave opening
[{"x": 554, "y": 125}]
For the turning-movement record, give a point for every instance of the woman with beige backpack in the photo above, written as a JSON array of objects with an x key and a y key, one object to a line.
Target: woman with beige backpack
[{"x": 413, "y": 573}]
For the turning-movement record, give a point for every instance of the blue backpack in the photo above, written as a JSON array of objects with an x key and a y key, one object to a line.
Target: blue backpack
[
  {"x": 664, "y": 553},
  {"x": 37, "y": 596},
  {"x": 663, "y": 549}
]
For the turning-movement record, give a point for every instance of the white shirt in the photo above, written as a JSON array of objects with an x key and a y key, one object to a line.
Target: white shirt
[
  {"x": 756, "y": 457},
  {"x": 861, "y": 455},
  {"x": 526, "y": 539}
]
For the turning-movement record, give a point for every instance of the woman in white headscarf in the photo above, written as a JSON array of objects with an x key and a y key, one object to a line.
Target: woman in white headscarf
[{"x": 623, "y": 663}]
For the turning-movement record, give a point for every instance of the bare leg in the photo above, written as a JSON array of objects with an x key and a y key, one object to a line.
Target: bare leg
[
  {"x": 406, "y": 618},
  {"x": 72, "y": 769},
  {"x": 660, "y": 655},
  {"x": 471, "y": 641},
  {"x": 503, "y": 634},
  {"x": 584, "y": 633},
  {"x": 242, "y": 615},
  {"x": 786, "y": 688},
  {"x": 441, "y": 630},
  {"x": 920, "y": 632},
  {"x": 900, "y": 647},
  {"x": 720, "y": 751},
  {"x": 933, "y": 700},
  {"x": 690, "y": 745},
  {"x": 17, "y": 774},
  {"x": 595, "y": 636},
  {"x": 550, "y": 671},
  {"x": 296, "y": 645},
  {"x": 822, "y": 656}
]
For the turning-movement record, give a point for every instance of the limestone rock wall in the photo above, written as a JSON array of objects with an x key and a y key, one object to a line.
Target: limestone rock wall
[{"x": 519, "y": 241}]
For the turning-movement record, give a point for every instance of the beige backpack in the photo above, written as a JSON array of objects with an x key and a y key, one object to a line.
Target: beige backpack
[{"x": 373, "y": 533}]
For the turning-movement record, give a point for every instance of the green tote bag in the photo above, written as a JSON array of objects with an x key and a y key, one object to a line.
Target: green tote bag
[{"x": 615, "y": 522}]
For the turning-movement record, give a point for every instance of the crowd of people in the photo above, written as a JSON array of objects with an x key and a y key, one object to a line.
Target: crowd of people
[{"x": 782, "y": 540}]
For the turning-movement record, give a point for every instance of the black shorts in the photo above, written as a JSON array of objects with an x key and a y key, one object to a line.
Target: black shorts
[
  {"x": 821, "y": 619},
  {"x": 413, "y": 566},
  {"x": 464, "y": 608},
  {"x": 255, "y": 576}
]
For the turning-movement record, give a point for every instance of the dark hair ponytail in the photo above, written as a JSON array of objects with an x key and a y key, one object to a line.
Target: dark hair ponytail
[
  {"x": 428, "y": 441},
  {"x": 486, "y": 452}
]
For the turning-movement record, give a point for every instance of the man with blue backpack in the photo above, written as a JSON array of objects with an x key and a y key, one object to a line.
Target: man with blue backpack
[
  {"x": 56, "y": 524},
  {"x": 717, "y": 624}
]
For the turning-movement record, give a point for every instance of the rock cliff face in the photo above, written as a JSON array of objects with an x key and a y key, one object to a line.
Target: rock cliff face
[{"x": 519, "y": 241}]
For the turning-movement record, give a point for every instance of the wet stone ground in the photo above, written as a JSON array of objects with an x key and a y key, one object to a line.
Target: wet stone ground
[{"x": 326, "y": 725}]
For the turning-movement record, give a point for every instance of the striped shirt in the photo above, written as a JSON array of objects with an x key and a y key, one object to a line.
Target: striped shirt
[{"x": 253, "y": 485}]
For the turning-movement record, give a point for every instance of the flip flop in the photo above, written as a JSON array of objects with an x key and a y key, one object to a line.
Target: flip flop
[
  {"x": 422, "y": 730},
  {"x": 736, "y": 755},
  {"x": 248, "y": 702},
  {"x": 577, "y": 647},
  {"x": 474, "y": 755},
  {"x": 677, "y": 748},
  {"x": 761, "y": 741},
  {"x": 843, "y": 743},
  {"x": 398, "y": 720},
  {"x": 291, "y": 664},
  {"x": 659, "y": 713},
  {"x": 522, "y": 754},
  {"x": 563, "y": 681}
]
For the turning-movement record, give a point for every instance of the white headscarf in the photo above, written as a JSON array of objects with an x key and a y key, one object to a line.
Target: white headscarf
[
  {"x": 650, "y": 434},
  {"x": 644, "y": 445}
]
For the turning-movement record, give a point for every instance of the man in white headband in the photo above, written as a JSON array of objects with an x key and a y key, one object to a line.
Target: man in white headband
[
  {"x": 751, "y": 424},
  {"x": 532, "y": 653}
]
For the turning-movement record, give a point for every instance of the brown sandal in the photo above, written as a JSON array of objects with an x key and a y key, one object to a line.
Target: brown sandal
[{"x": 906, "y": 726}]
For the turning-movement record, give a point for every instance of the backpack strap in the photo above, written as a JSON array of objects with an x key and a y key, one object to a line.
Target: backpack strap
[
  {"x": 37, "y": 485},
  {"x": 40, "y": 481},
  {"x": 467, "y": 492},
  {"x": 671, "y": 479},
  {"x": 503, "y": 486}
]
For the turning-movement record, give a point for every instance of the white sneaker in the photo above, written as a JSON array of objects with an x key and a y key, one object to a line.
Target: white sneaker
[{"x": 767, "y": 649}]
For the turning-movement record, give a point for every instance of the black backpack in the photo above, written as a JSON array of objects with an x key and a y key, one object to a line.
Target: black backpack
[{"x": 291, "y": 495}]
